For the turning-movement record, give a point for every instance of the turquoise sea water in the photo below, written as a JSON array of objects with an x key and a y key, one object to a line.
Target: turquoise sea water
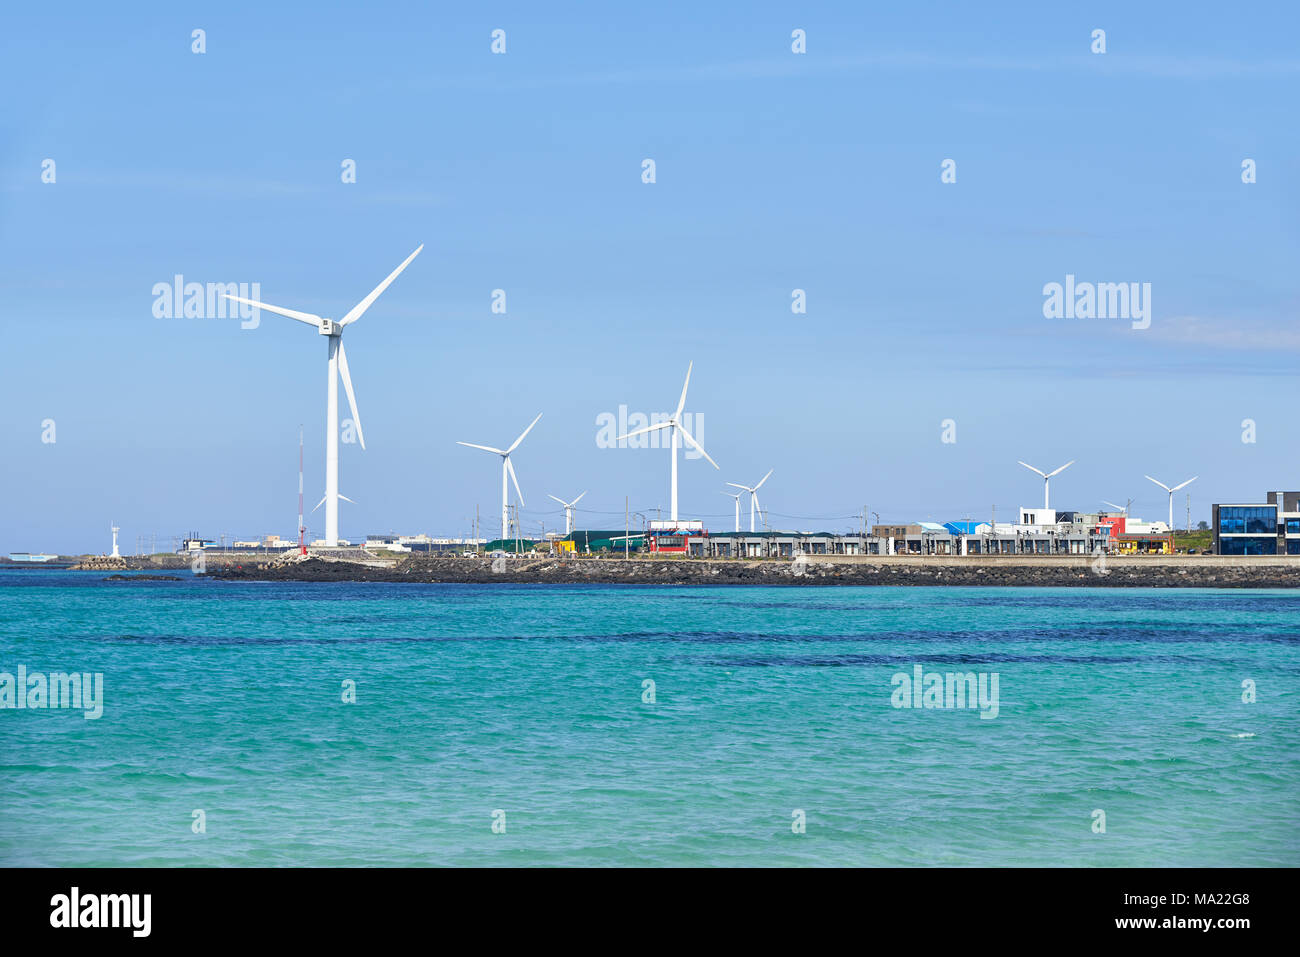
[{"x": 529, "y": 700}]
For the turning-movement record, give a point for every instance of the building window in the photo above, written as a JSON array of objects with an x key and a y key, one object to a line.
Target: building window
[
  {"x": 1248, "y": 520},
  {"x": 1247, "y": 546}
]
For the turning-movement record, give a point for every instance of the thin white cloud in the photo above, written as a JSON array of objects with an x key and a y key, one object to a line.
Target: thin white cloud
[{"x": 1226, "y": 333}]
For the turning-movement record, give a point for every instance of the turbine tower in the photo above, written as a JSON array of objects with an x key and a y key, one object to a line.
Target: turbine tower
[
  {"x": 674, "y": 423},
  {"x": 568, "y": 512},
  {"x": 507, "y": 469},
  {"x": 753, "y": 496},
  {"x": 1171, "y": 492},
  {"x": 1047, "y": 480},
  {"x": 338, "y": 365},
  {"x": 115, "y": 553},
  {"x": 736, "y": 496}
]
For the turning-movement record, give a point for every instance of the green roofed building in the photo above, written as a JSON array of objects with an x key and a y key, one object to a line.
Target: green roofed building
[
  {"x": 603, "y": 540},
  {"x": 510, "y": 545}
]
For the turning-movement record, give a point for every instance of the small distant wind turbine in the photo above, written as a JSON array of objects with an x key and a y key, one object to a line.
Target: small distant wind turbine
[
  {"x": 1047, "y": 480},
  {"x": 753, "y": 496},
  {"x": 1122, "y": 508},
  {"x": 674, "y": 423},
  {"x": 1171, "y": 492},
  {"x": 338, "y": 365},
  {"x": 568, "y": 512},
  {"x": 506, "y": 469},
  {"x": 736, "y": 496}
]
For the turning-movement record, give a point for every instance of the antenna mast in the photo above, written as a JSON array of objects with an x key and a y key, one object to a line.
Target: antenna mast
[{"x": 302, "y": 529}]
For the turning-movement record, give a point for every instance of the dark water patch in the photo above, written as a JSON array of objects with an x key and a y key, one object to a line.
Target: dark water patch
[
  {"x": 906, "y": 661},
  {"x": 1145, "y": 633}
]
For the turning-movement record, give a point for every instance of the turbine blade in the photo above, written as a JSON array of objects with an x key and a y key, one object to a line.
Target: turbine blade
[
  {"x": 560, "y": 500},
  {"x": 1061, "y": 469},
  {"x": 1185, "y": 484},
  {"x": 1158, "y": 482},
  {"x": 523, "y": 433},
  {"x": 320, "y": 503},
  {"x": 355, "y": 312},
  {"x": 511, "y": 469},
  {"x": 578, "y": 499},
  {"x": 648, "y": 428},
  {"x": 345, "y": 498},
  {"x": 681, "y": 404},
  {"x": 745, "y": 487},
  {"x": 764, "y": 479},
  {"x": 690, "y": 440},
  {"x": 485, "y": 448},
  {"x": 1032, "y": 469},
  {"x": 352, "y": 398},
  {"x": 307, "y": 317}
]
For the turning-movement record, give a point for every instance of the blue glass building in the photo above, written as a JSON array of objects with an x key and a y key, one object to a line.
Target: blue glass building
[{"x": 1267, "y": 528}]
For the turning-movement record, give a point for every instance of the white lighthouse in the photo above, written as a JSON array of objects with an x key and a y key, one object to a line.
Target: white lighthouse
[{"x": 115, "y": 554}]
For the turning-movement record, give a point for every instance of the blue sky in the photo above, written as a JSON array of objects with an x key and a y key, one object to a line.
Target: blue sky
[{"x": 522, "y": 172}]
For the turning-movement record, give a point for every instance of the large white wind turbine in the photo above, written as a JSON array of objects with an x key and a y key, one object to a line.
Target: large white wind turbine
[
  {"x": 674, "y": 423},
  {"x": 1171, "y": 492},
  {"x": 1047, "y": 480},
  {"x": 568, "y": 512},
  {"x": 1122, "y": 508},
  {"x": 507, "y": 469},
  {"x": 736, "y": 496},
  {"x": 338, "y": 365},
  {"x": 753, "y": 496}
]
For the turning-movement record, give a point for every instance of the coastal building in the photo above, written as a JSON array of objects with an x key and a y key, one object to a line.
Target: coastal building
[
  {"x": 677, "y": 538},
  {"x": 1271, "y": 527}
]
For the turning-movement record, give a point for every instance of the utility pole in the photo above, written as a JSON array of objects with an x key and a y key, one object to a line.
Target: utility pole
[{"x": 1189, "y": 512}]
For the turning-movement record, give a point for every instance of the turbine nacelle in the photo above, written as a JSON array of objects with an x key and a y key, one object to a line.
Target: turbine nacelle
[{"x": 328, "y": 327}]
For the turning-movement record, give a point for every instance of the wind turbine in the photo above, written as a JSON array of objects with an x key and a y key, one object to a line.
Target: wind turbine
[
  {"x": 1171, "y": 492},
  {"x": 736, "y": 496},
  {"x": 507, "y": 469},
  {"x": 674, "y": 423},
  {"x": 568, "y": 510},
  {"x": 753, "y": 496},
  {"x": 1047, "y": 480},
  {"x": 338, "y": 365},
  {"x": 1122, "y": 508}
]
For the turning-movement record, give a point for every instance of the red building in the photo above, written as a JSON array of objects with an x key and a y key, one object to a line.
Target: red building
[
  {"x": 677, "y": 538},
  {"x": 1116, "y": 523}
]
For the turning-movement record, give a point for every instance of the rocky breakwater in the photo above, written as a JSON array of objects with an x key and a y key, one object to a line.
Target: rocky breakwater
[{"x": 1168, "y": 572}]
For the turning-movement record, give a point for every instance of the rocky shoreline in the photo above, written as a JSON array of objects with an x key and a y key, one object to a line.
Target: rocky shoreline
[{"x": 1032, "y": 572}]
